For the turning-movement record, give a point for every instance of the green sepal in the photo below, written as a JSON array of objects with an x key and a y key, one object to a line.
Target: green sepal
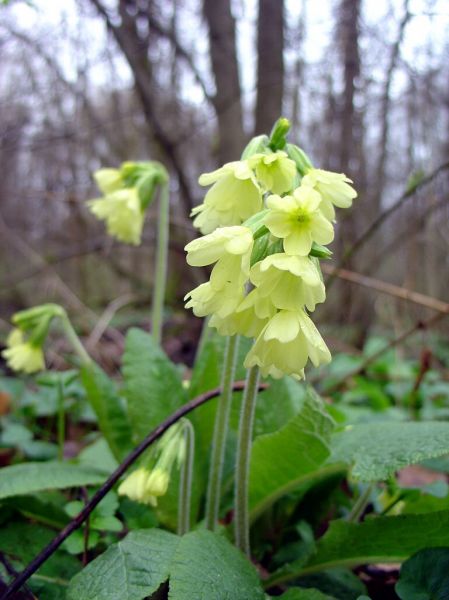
[
  {"x": 146, "y": 187},
  {"x": 255, "y": 222},
  {"x": 275, "y": 247},
  {"x": 255, "y": 146},
  {"x": 302, "y": 161},
  {"x": 259, "y": 249},
  {"x": 29, "y": 318},
  {"x": 319, "y": 251},
  {"x": 278, "y": 135}
]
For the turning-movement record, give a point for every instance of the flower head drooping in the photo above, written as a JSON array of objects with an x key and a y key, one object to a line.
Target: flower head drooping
[
  {"x": 122, "y": 213},
  {"x": 288, "y": 281},
  {"x": 275, "y": 171},
  {"x": 334, "y": 189},
  {"x": 24, "y": 345},
  {"x": 128, "y": 192},
  {"x": 22, "y": 355},
  {"x": 145, "y": 484},
  {"x": 285, "y": 345},
  {"x": 230, "y": 248},
  {"x": 235, "y": 196},
  {"x": 298, "y": 220},
  {"x": 109, "y": 180}
]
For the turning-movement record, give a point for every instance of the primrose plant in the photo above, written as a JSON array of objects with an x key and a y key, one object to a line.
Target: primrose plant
[{"x": 266, "y": 221}]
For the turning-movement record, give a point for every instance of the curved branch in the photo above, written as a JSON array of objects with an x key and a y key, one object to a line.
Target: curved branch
[{"x": 111, "y": 481}]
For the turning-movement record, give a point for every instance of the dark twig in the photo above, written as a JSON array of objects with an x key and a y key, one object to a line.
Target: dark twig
[{"x": 109, "y": 483}]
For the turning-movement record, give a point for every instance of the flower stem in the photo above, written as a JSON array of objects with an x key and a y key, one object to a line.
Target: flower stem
[
  {"x": 73, "y": 338},
  {"x": 160, "y": 264},
  {"x": 185, "y": 484},
  {"x": 360, "y": 504},
  {"x": 61, "y": 419},
  {"x": 220, "y": 434},
  {"x": 241, "y": 512}
]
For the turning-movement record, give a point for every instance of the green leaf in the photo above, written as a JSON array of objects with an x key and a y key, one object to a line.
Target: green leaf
[
  {"x": 153, "y": 385},
  {"x": 98, "y": 455},
  {"x": 43, "y": 507},
  {"x": 30, "y": 477},
  {"x": 129, "y": 570},
  {"x": 107, "y": 405},
  {"x": 377, "y": 450},
  {"x": 377, "y": 539},
  {"x": 282, "y": 460},
  {"x": 21, "y": 542},
  {"x": 305, "y": 594},
  {"x": 425, "y": 576},
  {"x": 206, "y": 565}
]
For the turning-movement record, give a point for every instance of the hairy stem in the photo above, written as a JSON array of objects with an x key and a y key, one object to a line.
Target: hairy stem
[
  {"x": 61, "y": 419},
  {"x": 245, "y": 433},
  {"x": 73, "y": 338},
  {"x": 220, "y": 435},
  {"x": 160, "y": 264},
  {"x": 185, "y": 484},
  {"x": 360, "y": 504}
]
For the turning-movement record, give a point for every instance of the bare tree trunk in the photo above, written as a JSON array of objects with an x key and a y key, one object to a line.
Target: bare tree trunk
[
  {"x": 379, "y": 176},
  {"x": 227, "y": 100},
  {"x": 270, "y": 64},
  {"x": 357, "y": 310}
]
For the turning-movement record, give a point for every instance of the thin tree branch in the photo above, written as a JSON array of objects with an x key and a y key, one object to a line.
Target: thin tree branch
[
  {"x": 111, "y": 481},
  {"x": 380, "y": 220},
  {"x": 392, "y": 344},
  {"x": 388, "y": 288}
]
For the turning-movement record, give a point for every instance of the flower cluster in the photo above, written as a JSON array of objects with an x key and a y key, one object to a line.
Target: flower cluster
[
  {"x": 145, "y": 484},
  {"x": 266, "y": 220},
  {"x": 128, "y": 191},
  {"x": 24, "y": 345}
]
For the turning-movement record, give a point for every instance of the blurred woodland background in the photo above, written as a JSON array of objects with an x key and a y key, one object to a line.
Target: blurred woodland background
[{"x": 91, "y": 83}]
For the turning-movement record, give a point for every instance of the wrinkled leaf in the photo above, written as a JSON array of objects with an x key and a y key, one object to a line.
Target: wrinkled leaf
[
  {"x": 206, "y": 565},
  {"x": 153, "y": 385},
  {"x": 30, "y": 477},
  {"x": 281, "y": 460},
  {"x": 377, "y": 450},
  {"x": 425, "y": 576},
  {"x": 129, "y": 570},
  {"x": 108, "y": 407}
]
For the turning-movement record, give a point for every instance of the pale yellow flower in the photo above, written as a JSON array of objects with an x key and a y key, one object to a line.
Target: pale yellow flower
[
  {"x": 230, "y": 248},
  {"x": 275, "y": 171},
  {"x": 21, "y": 355},
  {"x": 108, "y": 180},
  {"x": 223, "y": 241},
  {"x": 234, "y": 196},
  {"x": 221, "y": 300},
  {"x": 242, "y": 321},
  {"x": 285, "y": 345},
  {"x": 334, "y": 189},
  {"x": 288, "y": 282},
  {"x": 122, "y": 212},
  {"x": 298, "y": 220},
  {"x": 145, "y": 486}
]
